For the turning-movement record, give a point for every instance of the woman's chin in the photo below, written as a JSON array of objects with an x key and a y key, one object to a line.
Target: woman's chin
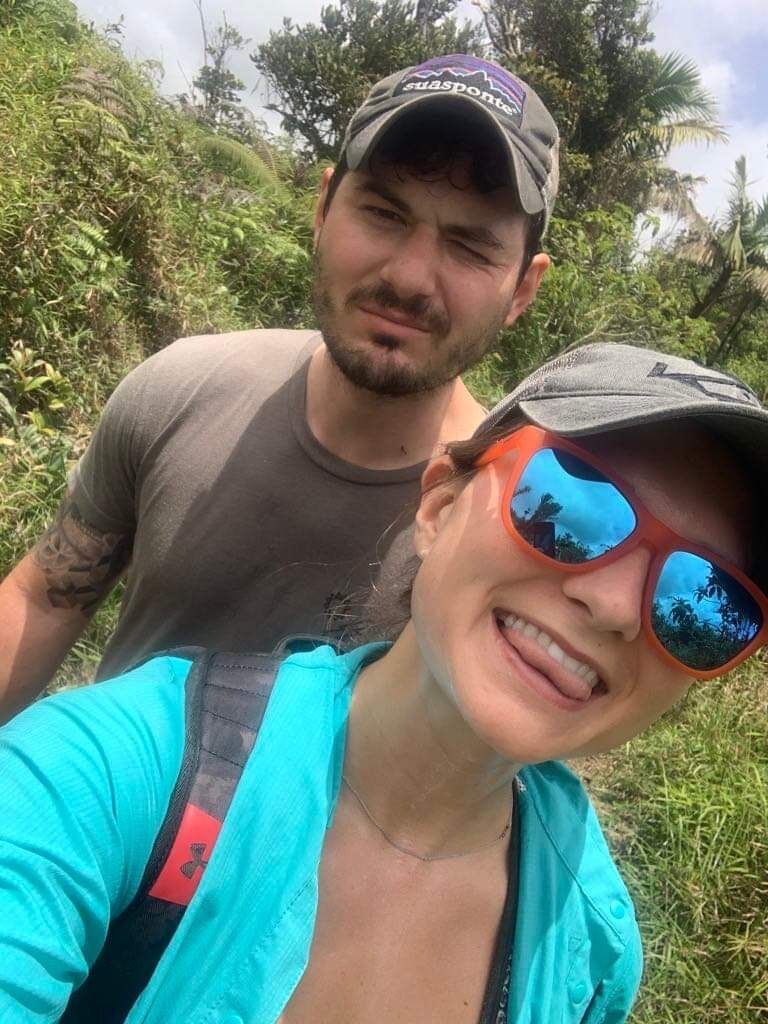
[{"x": 517, "y": 711}]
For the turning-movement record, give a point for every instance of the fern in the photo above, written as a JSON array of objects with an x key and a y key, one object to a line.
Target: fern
[
  {"x": 100, "y": 91},
  {"x": 229, "y": 156}
]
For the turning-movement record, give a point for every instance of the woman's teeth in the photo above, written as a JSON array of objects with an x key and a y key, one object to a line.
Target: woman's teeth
[{"x": 515, "y": 622}]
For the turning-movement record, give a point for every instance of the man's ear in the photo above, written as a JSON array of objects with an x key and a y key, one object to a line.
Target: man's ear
[
  {"x": 322, "y": 197},
  {"x": 439, "y": 490},
  {"x": 525, "y": 292}
]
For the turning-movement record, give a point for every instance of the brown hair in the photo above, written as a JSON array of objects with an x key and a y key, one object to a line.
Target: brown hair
[{"x": 427, "y": 148}]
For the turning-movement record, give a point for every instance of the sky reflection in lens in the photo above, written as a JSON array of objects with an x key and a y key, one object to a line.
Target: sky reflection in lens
[{"x": 567, "y": 509}]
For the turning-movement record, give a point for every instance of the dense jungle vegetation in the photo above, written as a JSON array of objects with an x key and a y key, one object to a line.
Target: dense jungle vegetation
[{"x": 127, "y": 220}]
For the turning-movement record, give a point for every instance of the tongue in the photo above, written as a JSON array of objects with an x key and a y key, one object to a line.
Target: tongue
[{"x": 568, "y": 683}]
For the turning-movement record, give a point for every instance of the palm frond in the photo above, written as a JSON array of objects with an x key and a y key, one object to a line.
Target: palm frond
[
  {"x": 678, "y": 89},
  {"x": 683, "y": 132},
  {"x": 228, "y": 155},
  {"x": 733, "y": 246},
  {"x": 741, "y": 209},
  {"x": 674, "y": 197},
  {"x": 761, "y": 215},
  {"x": 701, "y": 253},
  {"x": 756, "y": 278}
]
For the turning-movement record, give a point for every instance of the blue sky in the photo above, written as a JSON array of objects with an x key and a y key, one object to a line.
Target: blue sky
[{"x": 727, "y": 38}]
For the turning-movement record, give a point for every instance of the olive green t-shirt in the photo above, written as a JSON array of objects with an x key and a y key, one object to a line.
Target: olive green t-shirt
[{"x": 244, "y": 528}]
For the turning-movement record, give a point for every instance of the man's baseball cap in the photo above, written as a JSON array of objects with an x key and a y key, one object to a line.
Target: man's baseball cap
[
  {"x": 484, "y": 92},
  {"x": 608, "y": 386}
]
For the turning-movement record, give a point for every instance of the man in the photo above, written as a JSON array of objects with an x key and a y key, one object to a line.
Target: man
[{"x": 252, "y": 480}]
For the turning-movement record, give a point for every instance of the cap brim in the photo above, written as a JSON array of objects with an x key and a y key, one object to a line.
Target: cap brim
[
  {"x": 582, "y": 414},
  {"x": 363, "y": 144}
]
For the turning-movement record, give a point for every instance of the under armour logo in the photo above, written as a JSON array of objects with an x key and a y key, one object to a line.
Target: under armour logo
[
  {"x": 191, "y": 866},
  {"x": 719, "y": 389}
]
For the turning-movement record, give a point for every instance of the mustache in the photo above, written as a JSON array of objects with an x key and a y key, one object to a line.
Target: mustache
[{"x": 417, "y": 307}]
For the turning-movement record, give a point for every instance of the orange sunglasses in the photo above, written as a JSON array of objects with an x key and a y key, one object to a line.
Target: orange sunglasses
[{"x": 567, "y": 508}]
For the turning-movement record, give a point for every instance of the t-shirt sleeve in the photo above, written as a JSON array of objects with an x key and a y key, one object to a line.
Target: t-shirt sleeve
[
  {"x": 103, "y": 483},
  {"x": 85, "y": 782}
]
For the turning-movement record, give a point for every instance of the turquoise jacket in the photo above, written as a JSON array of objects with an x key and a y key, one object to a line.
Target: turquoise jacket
[{"x": 85, "y": 781}]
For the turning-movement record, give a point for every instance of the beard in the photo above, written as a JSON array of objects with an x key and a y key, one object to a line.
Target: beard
[{"x": 381, "y": 376}]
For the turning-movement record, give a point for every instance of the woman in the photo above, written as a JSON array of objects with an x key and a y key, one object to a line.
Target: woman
[{"x": 403, "y": 844}]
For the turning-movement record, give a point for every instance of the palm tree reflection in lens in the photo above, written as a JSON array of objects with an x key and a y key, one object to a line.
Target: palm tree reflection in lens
[
  {"x": 700, "y": 613},
  {"x": 553, "y": 508}
]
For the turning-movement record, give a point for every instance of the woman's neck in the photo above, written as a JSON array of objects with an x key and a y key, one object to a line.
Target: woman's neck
[{"x": 428, "y": 782}]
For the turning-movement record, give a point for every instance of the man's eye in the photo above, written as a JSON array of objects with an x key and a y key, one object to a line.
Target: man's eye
[
  {"x": 383, "y": 213},
  {"x": 471, "y": 254}
]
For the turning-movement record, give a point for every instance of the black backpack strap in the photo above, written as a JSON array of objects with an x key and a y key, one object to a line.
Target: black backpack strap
[
  {"x": 226, "y": 698},
  {"x": 299, "y": 643}
]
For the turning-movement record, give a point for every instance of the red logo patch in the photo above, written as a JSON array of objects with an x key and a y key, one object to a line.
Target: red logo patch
[{"x": 190, "y": 853}]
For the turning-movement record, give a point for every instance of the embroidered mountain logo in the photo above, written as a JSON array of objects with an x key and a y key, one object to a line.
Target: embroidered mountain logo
[
  {"x": 466, "y": 75},
  {"x": 191, "y": 866}
]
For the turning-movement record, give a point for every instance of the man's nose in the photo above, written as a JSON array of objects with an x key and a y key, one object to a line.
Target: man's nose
[
  {"x": 612, "y": 595},
  {"x": 412, "y": 265}
]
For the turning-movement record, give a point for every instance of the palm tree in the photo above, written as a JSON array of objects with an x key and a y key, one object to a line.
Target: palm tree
[
  {"x": 732, "y": 250},
  {"x": 677, "y": 110}
]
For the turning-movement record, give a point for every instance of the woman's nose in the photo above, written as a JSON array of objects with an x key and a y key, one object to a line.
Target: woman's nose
[{"x": 612, "y": 595}]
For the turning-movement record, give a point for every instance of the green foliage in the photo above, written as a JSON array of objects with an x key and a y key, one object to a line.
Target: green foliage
[
  {"x": 688, "y": 804},
  {"x": 676, "y": 109},
  {"x": 28, "y": 382},
  {"x": 730, "y": 254},
  {"x": 320, "y": 74},
  {"x": 106, "y": 199},
  {"x": 599, "y": 288},
  {"x": 58, "y": 14},
  {"x": 611, "y": 95},
  {"x": 216, "y": 101},
  {"x": 234, "y": 160}
]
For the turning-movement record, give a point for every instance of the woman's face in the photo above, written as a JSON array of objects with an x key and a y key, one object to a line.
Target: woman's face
[{"x": 474, "y": 578}]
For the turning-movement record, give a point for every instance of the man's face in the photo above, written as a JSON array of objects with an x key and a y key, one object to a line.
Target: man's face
[{"x": 415, "y": 279}]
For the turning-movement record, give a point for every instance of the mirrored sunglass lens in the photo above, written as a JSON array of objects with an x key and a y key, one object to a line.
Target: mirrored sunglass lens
[
  {"x": 702, "y": 614},
  {"x": 568, "y": 510}
]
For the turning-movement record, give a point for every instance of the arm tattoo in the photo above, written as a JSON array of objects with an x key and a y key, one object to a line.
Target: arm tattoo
[{"x": 81, "y": 564}]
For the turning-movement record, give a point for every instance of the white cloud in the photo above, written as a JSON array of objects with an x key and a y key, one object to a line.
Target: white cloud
[
  {"x": 699, "y": 28},
  {"x": 719, "y": 78}
]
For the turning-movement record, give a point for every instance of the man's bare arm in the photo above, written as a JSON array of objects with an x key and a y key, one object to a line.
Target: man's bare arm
[{"x": 47, "y": 600}]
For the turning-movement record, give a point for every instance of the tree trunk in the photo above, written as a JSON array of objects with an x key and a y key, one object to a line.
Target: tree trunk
[
  {"x": 729, "y": 339},
  {"x": 713, "y": 294}
]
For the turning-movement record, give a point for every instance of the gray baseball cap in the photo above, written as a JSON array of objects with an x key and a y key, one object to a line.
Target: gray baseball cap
[
  {"x": 485, "y": 92},
  {"x": 606, "y": 386}
]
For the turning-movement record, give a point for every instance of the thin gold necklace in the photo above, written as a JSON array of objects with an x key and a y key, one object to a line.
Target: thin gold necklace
[{"x": 420, "y": 856}]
